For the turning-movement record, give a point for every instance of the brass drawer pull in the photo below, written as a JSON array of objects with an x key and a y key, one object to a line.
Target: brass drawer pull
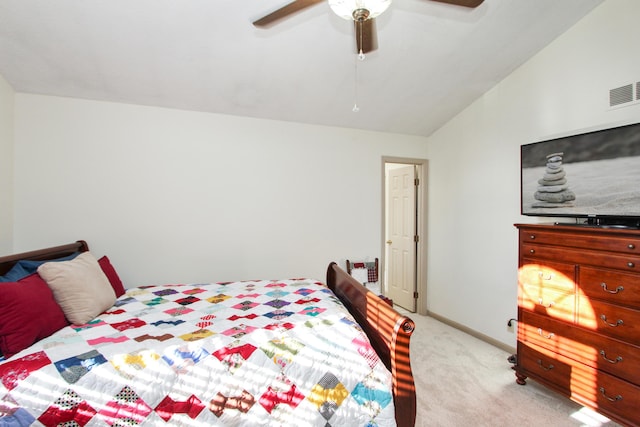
[
  {"x": 611, "y": 399},
  {"x": 549, "y": 276},
  {"x": 551, "y": 334},
  {"x": 618, "y": 289},
  {"x": 546, "y": 368},
  {"x": 541, "y": 302},
  {"x": 604, "y": 356},
  {"x": 613, "y": 325}
]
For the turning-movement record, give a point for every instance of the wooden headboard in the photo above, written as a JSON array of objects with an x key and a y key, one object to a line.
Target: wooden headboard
[
  {"x": 7, "y": 262},
  {"x": 389, "y": 333}
]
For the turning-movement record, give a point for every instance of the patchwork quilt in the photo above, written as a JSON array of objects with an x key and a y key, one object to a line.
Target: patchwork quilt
[{"x": 259, "y": 353}]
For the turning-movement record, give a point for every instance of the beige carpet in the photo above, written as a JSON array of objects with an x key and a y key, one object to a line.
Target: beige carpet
[{"x": 463, "y": 381}]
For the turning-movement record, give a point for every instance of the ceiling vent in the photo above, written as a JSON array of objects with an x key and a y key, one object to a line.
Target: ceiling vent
[{"x": 621, "y": 95}]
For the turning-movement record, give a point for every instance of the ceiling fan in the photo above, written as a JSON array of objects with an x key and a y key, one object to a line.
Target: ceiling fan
[{"x": 362, "y": 12}]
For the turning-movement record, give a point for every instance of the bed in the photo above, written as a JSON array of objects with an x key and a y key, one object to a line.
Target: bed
[{"x": 266, "y": 352}]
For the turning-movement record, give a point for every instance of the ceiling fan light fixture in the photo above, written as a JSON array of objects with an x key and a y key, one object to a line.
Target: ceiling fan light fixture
[{"x": 352, "y": 9}]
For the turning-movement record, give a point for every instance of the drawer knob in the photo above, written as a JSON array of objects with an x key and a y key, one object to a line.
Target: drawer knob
[
  {"x": 546, "y": 368},
  {"x": 532, "y": 251},
  {"x": 630, "y": 265},
  {"x": 532, "y": 236},
  {"x": 631, "y": 246},
  {"x": 611, "y": 399},
  {"x": 614, "y": 291},
  {"x": 619, "y": 322},
  {"x": 614, "y": 361}
]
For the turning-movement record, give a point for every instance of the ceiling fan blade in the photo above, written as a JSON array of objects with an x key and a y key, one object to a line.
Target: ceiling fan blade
[
  {"x": 366, "y": 35},
  {"x": 284, "y": 12},
  {"x": 465, "y": 3}
]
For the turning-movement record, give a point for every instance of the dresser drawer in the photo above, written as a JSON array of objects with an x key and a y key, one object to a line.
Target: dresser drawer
[
  {"x": 544, "y": 366},
  {"x": 588, "y": 240},
  {"x": 547, "y": 274},
  {"x": 629, "y": 263},
  {"x": 611, "y": 320},
  {"x": 605, "y": 393},
  {"x": 597, "y": 351},
  {"x": 611, "y": 286},
  {"x": 549, "y": 302}
]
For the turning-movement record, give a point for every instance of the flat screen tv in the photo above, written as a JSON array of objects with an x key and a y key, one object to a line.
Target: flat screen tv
[{"x": 592, "y": 178}]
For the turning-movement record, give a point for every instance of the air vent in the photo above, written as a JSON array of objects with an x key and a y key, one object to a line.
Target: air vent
[
  {"x": 637, "y": 91},
  {"x": 621, "y": 95}
]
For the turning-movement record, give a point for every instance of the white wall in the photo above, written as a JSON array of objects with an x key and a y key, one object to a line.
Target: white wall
[
  {"x": 177, "y": 196},
  {"x": 474, "y": 162},
  {"x": 6, "y": 167}
]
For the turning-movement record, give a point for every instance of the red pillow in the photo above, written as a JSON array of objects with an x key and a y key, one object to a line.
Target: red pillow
[
  {"x": 29, "y": 313},
  {"x": 111, "y": 274}
]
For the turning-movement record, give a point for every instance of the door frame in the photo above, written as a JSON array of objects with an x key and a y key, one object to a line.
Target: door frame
[{"x": 421, "y": 229}]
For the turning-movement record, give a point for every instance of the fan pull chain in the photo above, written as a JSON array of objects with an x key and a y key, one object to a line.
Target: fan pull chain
[
  {"x": 360, "y": 57},
  {"x": 355, "y": 84}
]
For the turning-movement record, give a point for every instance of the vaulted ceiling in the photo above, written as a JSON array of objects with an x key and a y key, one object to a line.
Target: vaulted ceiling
[{"x": 432, "y": 60}]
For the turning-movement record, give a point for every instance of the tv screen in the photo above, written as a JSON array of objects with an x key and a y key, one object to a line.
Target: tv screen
[{"x": 594, "y": 175}]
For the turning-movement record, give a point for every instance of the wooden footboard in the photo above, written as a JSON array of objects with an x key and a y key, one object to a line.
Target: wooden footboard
[{"x": 389, "y": 333}]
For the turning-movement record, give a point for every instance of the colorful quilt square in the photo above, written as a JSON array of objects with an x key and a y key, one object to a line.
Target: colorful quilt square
[
  {"x": 282, "y": 392},
  {"x": 217, "y": 299},
  {"x": 312, "y": 311},
  {"x": 197, "y": 335},
  {"x": 126, "y": 408},
  {"x": 282, "y": 350},
  {"x": 165, "y": 324},
  {"x": 19, "y": 369},
  {"x": 254, "y": 296},
  {"x": 74, "y": 368},
  {"x": 188, "y": 300},
  {"x": 11, "y": 414},
  {"x": 155, "y": 301},
  {"x": 183, "y": 357},
  {"x": 303, "y": 301},
  {"x": 239, "y": 331},
  {"x": 128, "y": 324},
  {"x": 165, "y": 292},
  {"x": 178, "y": 311},
  {"x": 327, "y": 395},
  {"x": 193, "y": 291},
  {"x": 234, "y": 355},
  {"x": 245, "y": 305},
  {"x": 277, "y": 303},
  {"x": 278, "y": 314},
  {"x": 277, "y": 294},
  {"x": 168, "y": 407},
  {"x": 69, "y": 409}
]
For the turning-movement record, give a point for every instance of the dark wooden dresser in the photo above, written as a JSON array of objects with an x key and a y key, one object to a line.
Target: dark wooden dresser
[{"x": 579, "y": 315}]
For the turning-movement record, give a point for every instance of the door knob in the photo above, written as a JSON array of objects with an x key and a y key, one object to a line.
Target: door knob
[{"x": 389, "y": 242}]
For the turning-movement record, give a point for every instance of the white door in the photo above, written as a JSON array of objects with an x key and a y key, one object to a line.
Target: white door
[{"x": 401, "y": 235}]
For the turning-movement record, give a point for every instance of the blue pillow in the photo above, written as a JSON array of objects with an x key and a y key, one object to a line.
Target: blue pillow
[
  {"x": 25, "y": 267},
  {"x": 16, "y": 273}
]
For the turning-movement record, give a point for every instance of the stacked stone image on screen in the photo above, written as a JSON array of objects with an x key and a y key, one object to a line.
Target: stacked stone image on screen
[{"x": 553, "y": 189}]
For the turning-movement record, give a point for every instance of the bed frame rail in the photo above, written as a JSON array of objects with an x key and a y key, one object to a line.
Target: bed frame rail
[
  {"x": 7, "y": 262},
  {"x": 389, "y": 333}
]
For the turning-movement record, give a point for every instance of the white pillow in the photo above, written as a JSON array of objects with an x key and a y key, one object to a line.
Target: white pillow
[{"x": 79, "y": 286}]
